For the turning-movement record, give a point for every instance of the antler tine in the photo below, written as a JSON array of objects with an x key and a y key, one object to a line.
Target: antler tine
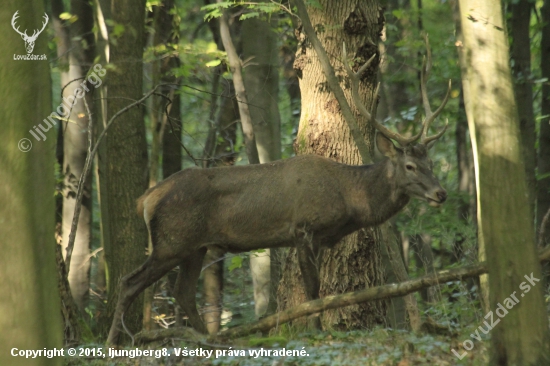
[
  {"x": 426, "y": 140},
  {"x": 429, "y": 115},
  {"x": 355, "y": 77}
]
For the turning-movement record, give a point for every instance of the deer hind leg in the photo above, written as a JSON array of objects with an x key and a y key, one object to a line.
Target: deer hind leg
[
  {"x": 307, "y": 260},
  {"x": 186, "y": 288},
  {"x": 133, "y": 284}
]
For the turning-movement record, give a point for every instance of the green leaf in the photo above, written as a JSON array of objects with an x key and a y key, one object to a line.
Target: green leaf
[
  {"x": 253, "y": 14},
  {"x": 236, "y": 262},
  {"x": 68, "y": 17},
  {"x": 213, "y": 63},
  {"x": 118, "y": 30},
  {"x": 216, "y": 10}
]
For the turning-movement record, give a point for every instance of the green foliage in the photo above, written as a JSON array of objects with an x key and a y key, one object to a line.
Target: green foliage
[
  {"x": 236, "y": 262},
  {"x": 268, "y": 342},
  {"x": 251, "y": 9}
]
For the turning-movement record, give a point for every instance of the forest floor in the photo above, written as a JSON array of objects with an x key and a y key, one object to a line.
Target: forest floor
[{"x": 377, "y": 347}]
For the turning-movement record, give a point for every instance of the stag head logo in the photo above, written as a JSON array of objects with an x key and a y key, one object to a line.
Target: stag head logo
[{"x": 29, "y": 40}]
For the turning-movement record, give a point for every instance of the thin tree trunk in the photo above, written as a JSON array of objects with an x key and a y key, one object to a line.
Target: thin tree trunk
[
  {"x": 504, "y": 220},
  {"x": 236, "y": 70},
  {"x": 224, "y": 154},
  {"x": 261, "y": 79},
  {"x": 30, "y": 317},
  {"x": 125, "y": 176},
  {"x": 355, "y": 262},
  {"x": 80, "y": 60}
]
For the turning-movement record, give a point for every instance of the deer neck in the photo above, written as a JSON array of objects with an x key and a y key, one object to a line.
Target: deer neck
[{"x": 378, "y": 196}]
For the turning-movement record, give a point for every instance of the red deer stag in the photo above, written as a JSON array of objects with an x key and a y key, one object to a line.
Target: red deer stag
[{"x": 307, "y": 202}]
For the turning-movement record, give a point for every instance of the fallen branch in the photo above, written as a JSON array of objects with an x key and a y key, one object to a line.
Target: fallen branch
[
  {"x": 370, "y": 294},
  {"x": 329, "y": 302}
]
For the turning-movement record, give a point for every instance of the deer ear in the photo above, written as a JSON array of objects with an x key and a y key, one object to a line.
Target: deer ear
[{"x": 386, "y": 146}]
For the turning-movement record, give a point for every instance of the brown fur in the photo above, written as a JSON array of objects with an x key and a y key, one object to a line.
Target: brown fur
[
  {"x": 306, "y": 201},
  {"x": 151, "y": 197}
]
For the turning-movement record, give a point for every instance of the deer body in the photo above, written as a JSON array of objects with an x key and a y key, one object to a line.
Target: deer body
[
  {"x": 250, "y": 207},
  {"x": 308, "y": 202}
]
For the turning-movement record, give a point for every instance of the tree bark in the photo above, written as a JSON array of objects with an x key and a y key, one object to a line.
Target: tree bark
[
  {"x": 504, "y": 220},
  {"x": 30, "y": 316},
  {"x": 80, "y": 60},
  {"x": 354, "y": 262},
  {"x": 520, "y": 53},
  {"x": 543, "y": 161},
  {"x": 235, "y": 65},
  {"x": 124, "y": 177}
]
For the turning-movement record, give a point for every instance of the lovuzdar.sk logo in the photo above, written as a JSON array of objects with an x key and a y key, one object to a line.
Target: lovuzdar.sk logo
[{"x": 29, "y": 40}]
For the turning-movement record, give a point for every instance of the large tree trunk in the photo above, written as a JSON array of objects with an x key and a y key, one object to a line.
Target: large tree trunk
[
  {"x": 504, "y": 220},
  {"x": 80, "y": 59},
  {"x": 30, "y": 316},
  {"x": 543, "y": 162},
  {"x": 123, "y": 176},
  {"x": 354, "y": 263},
  {"x": 520, "y": 53},
  {"x": 262, "y": 86}
]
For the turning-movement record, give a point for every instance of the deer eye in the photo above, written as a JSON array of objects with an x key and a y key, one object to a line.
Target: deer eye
[{"x": 410, "y": 167}]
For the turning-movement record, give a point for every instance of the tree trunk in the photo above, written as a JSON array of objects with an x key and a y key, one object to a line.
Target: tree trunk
[
  {"x": 504, "y": 220},
  {"x": 80, "y": 60},
  {"x": 30, "y": 317},
  {"x": 165, "y": 158},
  {"x": 124, "y": 175},
  {"x": 262, "y": 86},
  {"x": 468, "y": 107},
  {"x": 354, "y": 263},
  {"x": 466, "y": 178},
  {"x": 520, "y": 53},
  {"x": 543, "y": 162}
]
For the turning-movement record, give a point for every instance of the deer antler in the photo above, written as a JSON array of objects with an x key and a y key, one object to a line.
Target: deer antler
[
  {"x": 429, "y": 118},
  {"x": 429, "y": 115},
  {"x": 13, "y": 25}
]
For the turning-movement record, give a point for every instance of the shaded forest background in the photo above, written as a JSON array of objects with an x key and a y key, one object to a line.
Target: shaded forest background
[{"x": 188, "y": 115}]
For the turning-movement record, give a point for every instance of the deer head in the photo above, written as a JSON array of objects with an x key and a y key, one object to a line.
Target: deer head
[
  {"x": 29, "y": 40},
  {"x": 412, "y": 168}
]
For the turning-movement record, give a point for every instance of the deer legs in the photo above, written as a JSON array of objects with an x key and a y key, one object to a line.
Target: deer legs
[
  {"x": 186, "y": 288},
  {"x": 133, "y": 284},
  {"x": 307, "y": 259}
]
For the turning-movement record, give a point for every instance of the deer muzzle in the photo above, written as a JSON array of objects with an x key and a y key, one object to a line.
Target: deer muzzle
[{"x": 437, "y": 197}]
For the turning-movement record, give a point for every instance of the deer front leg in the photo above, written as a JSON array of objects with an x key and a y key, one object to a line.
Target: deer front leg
[{"x": 307, "y": 259}]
